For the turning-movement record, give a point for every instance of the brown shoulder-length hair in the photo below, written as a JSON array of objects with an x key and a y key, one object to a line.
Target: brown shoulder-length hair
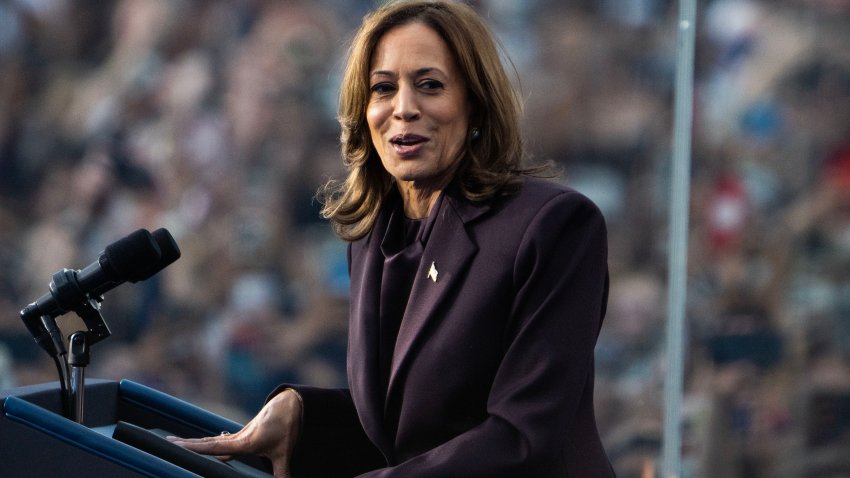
[{"x": 491, "y": 159}]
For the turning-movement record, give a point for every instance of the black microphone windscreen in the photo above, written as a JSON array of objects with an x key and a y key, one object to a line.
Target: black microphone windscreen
[
  {"x": 131, "y": 257},
  {"x": 169, "y": 252},
  {"x": 167, "y": 246}
]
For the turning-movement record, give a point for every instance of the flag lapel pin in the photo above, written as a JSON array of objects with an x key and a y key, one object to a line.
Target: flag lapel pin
[{"x": 432, "y": 272}]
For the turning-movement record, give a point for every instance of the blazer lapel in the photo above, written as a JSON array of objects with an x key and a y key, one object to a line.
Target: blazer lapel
[
  {"x": 444, "y": 263},
  {"x": 366, "y": 264}
]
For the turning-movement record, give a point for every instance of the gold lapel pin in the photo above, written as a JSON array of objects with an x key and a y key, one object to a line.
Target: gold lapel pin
[{"x": 432, "y": 272}]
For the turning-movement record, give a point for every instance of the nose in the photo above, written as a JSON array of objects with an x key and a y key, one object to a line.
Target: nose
[{"x": 406, "y": 106}]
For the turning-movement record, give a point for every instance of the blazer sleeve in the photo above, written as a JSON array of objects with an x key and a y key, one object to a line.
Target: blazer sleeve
[
  {"x": 540, "y": 412},
  {"x": 331, "y": 442}
]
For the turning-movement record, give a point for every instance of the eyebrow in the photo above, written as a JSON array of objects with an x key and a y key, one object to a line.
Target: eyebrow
[{"x": 418, "y": 72}]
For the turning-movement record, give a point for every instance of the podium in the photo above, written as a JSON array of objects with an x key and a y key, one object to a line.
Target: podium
[{"x": 122, "y": 435}]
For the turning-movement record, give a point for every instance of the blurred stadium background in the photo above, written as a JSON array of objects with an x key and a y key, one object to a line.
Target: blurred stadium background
[{"x": 216, "y": 120}]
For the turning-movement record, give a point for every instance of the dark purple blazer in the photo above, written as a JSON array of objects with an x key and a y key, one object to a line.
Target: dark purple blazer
[{"x": 492, "y": 373}]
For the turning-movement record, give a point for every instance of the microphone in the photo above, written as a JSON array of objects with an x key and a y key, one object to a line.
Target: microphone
[
  {"x": 130, "y": 259},
  {"x": 133, "y": 258}
]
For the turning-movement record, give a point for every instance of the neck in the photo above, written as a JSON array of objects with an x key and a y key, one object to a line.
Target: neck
[{"x": 418, "y": 202}]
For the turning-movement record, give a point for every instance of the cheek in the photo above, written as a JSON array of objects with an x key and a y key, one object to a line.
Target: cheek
[
  {"x": 374, "y": 118},
  {"x": 376, "y": 114},
  {"x": 456, "y": 134}
]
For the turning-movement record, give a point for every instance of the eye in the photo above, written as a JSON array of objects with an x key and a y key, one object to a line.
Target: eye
[
  {"x": 382, "y": 88},
  {"x": 431, "y": 85}
]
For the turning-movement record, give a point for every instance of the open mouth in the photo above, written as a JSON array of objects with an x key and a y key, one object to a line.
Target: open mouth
[
  {"x": 407, "y": 139},
  {"x": 406, "y": 144}
]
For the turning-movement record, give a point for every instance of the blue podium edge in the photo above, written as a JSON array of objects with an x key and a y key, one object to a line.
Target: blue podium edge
[
  {"x": 80, "y": 436},
  {"x": 175, "y": 409}
]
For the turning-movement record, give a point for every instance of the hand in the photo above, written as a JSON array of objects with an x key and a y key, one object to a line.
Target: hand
[{"x": 272, "y": 434}]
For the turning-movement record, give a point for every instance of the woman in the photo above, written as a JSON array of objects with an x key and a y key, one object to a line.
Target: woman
[{"x": 477, "y": 291}]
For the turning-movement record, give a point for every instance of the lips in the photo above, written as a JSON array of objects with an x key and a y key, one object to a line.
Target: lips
[
  {"x": 407, "y": 144},
  {"x": 407, "y": 139}
]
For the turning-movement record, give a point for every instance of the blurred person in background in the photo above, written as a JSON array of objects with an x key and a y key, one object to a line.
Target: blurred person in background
[{"x": 477, "y": 289}]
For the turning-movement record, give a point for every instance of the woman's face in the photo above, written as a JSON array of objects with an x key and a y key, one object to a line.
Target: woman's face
[{"x": 418, "y": 113}]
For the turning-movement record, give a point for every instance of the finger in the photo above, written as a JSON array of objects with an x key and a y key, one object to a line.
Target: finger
[
  {"x": 207, "y": 439},
  {"x": 216, "y": 445}
]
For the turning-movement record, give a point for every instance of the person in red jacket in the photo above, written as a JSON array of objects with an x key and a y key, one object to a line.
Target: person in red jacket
[{"x": 477, "y": 289}]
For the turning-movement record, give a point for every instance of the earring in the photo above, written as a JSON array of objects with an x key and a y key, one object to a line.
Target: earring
[{"x": 475, "y": 133}]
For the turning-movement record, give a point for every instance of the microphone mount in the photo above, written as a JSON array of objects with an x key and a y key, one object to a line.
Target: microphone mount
[
  {"x": 69, "y": 296},
  {"x": 134, "y": 258}
]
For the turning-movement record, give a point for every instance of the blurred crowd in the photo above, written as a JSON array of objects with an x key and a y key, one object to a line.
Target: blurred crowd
[{"x": 216, "y": 120}]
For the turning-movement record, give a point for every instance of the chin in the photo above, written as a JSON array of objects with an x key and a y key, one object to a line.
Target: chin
[{"x": 407, "y": 174}]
